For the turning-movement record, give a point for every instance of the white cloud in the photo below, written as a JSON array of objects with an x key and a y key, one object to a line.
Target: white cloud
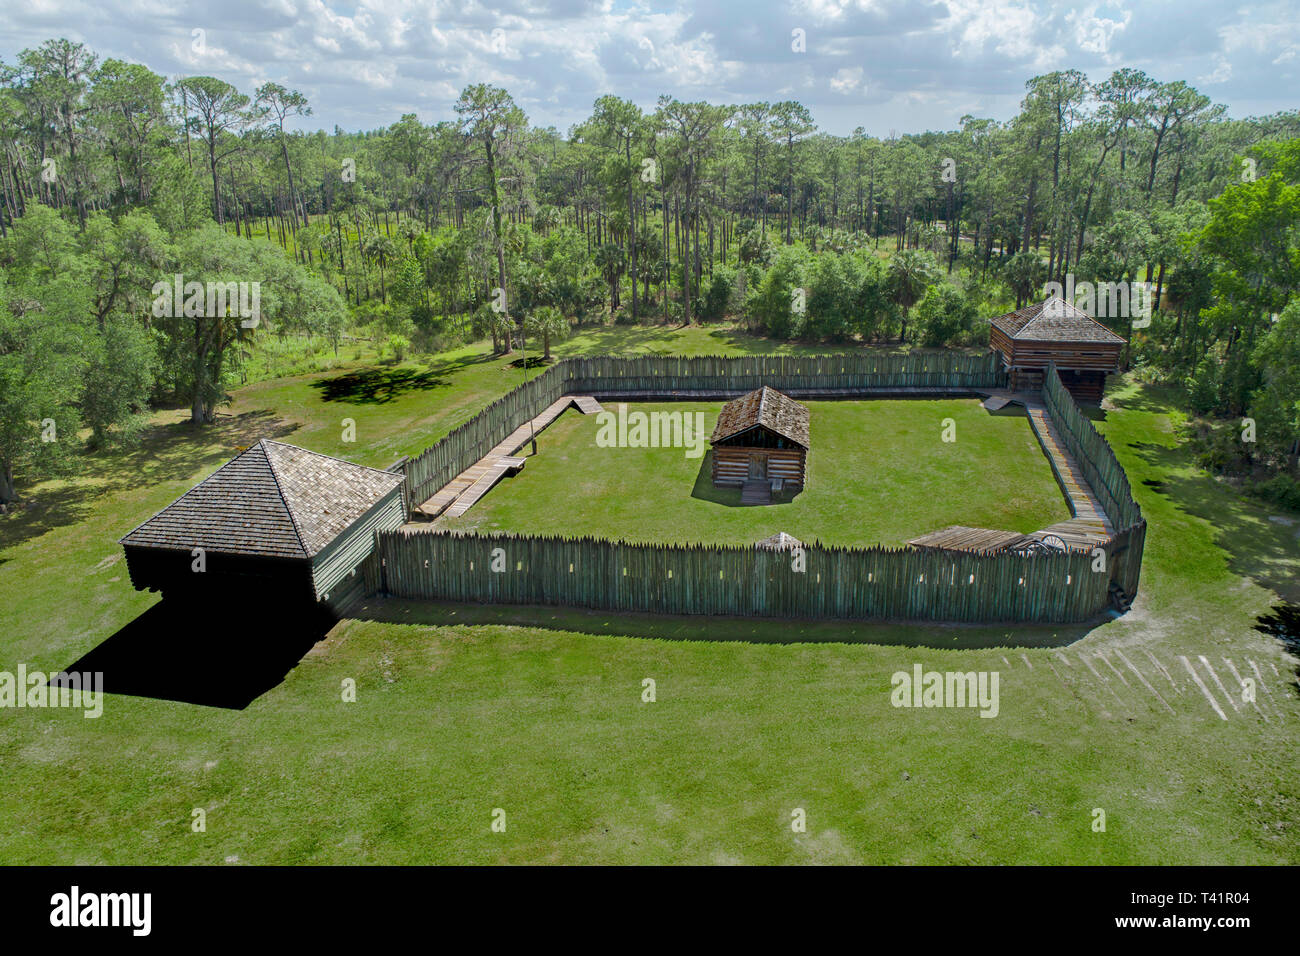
[
  {"x": 1221, "y": 73},
  {"x": 917, "y": 63},
  {"x": 847, "y": 80},
  {"x": 1092, "y": 33}
]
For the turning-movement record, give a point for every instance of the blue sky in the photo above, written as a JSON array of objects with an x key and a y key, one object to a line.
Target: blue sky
[{"x": 879, "y": 64}]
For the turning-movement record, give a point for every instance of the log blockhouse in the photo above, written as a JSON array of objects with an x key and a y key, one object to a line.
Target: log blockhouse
[
  {"x": 275, "y": 521},
  {"x": 1053, "y": 331}
]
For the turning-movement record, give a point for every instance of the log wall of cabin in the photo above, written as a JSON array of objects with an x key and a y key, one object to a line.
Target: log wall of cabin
[
  {"x": 731, "y": 464},
  {"x": 1083, "y": 366},
  {"x": 1080, "y": 356}
]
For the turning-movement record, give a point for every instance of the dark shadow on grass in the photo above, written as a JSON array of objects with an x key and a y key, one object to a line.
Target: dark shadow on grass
[
  {"x": 192, "y": 652},
  {"x": 706, "y": 490},
  {"x": 619, "y": 340},
  {"x": 376, "y": 386},
  {"x": 1158, "y": 399},
  {"x": 729, "y": 497},
  {"x": 164, "y": 453},
  {"x": 1013, "y": 410},
  {"x": 727, "y": 629},
  {"x": 1261, "y": 550}
]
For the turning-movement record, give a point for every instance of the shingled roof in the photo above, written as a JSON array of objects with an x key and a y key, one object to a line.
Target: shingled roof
[
  {"x": 272, "y": 500},
  {"x": 1054, "y": 320},
  {"x": 767, "y": 407}
]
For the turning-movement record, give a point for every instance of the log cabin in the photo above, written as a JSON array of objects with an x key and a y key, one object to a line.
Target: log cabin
[
  {"x": 1054, "y": 331},
  {"x": 761, "y": 437},
  {"x": 276, "y": 521}
]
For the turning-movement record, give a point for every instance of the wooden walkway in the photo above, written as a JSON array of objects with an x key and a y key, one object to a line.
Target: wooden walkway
[
  {"x": 756, "y": 493},
  {"x": 460, "y": 494},
  {"x": 1089, "y": 527},
  {"x": 979, "y": 540},
  {"x": 726, "y": 394}
]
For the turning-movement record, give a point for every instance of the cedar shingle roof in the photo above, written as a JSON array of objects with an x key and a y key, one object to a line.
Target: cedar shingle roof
[
  {"x": 1054, "y": 320},
  {"x": 272, "y": 500},
  {"x": 779, "y": 542},
  {"x": 767, "y": 407}
]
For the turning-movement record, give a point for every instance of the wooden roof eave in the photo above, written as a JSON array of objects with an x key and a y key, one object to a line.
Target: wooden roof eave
[{"x": 756, "y": 427}]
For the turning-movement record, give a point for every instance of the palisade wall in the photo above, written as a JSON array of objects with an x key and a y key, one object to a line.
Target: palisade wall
[
  {"x": 863, "y": 374},
  {"x": 834, "y": 582},
  {"x": 742, "y": 581}
]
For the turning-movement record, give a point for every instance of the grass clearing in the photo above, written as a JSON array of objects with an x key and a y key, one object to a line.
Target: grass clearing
[
  {"x": 878, "y": 473},
  {"x": 538, "y": 710}
]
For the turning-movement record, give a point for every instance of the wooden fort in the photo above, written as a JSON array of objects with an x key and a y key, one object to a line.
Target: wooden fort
[
  {"x": 761, "y": 437},
  {"x": 274, "y": 520},
  {"x": 1055, "y": 332}
]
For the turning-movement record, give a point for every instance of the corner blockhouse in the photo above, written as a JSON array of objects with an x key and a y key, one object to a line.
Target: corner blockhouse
[
  {"x": 1055, "y": 332},
  {"x": 276, "y": 520}
]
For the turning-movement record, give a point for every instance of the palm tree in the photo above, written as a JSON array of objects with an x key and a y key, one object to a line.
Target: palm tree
[
  {"x": 611, "y": 262},
  {"x": 380, "y": 248},
  {"x": 410, "y": 230},
  {"x": 548, "y": 322},
  {"x": 503, "y": 329},
  {"x": 1024, "y": 273},
  {"x": 911, "y": 272}
]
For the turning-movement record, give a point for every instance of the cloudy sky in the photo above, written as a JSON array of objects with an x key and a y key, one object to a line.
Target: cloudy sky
[{"x": 881, "y": 64}]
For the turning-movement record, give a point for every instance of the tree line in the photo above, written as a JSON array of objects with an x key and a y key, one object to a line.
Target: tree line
[{"x": 482, "y": 224}]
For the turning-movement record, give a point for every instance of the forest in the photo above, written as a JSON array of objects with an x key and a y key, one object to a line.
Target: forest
[{"x": 407, "y": 239}]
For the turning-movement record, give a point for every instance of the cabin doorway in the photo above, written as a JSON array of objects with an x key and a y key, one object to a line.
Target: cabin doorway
[{"x": 757, "y": 467}]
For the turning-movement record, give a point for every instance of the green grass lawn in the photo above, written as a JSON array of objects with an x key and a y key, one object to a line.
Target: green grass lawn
[
  {"x": 538, "y": 711},
  {"x": 878, "y": 473}
]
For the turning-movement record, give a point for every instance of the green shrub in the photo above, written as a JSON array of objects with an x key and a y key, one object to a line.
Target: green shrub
[
  {"x": 1280, "y": 490},
  {"x": 716, "y": 300},
  {"x": 945, "y": 316},
  {"x": 397, "y": 344}
]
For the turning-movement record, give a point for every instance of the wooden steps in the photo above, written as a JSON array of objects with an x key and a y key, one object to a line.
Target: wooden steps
[
  {"x": 587, "y": 404},
  {"x": 756, "y": 493}
]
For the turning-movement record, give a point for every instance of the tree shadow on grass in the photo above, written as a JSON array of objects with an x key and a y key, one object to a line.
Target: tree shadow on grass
[
  {"x": 1158, "y": 399},
  {"x": 194, "y": 653},
  {"x": 1266, "y": 552},
  {"x": 724, "y": 629},
  {"x": 169, "y": 452},
  {"x": 450, "y": 366},
  {"x": 377, "y": 386},
  {"x": 617, "y": 340}
]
